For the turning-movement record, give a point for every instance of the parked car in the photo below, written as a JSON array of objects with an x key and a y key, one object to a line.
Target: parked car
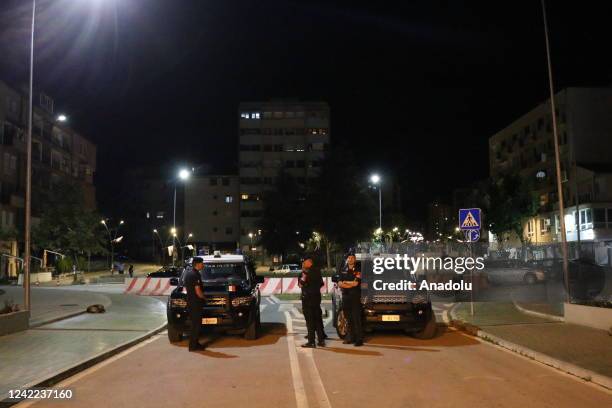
[
  {"x": 409, "y": 310},
  {"x": 167, "y": 272},
  {"x": 231, "y": 298},
  {"x": 513, "y": 272},
  {"x": 287, "y": 268}
]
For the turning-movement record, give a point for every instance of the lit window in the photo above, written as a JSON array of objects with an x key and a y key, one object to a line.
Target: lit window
[
  {"x": 160, "y": 215},
  {"x": 244, "y": 196},
  {"x": 244, "y": 115},
  {"x": 229, "y": 199},
  {"x": 255, "y": 115}
]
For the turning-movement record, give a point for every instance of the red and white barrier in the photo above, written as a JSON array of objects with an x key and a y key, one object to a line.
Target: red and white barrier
[
  {"x": 270, "y": 286},
  {"x": 148, "y": 286}
]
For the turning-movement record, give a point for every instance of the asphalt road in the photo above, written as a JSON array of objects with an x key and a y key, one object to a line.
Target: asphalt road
[{"x": 391, "y": 370}]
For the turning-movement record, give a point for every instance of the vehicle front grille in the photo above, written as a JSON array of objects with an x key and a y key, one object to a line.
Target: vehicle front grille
[
  {"x": 215, "y": 300},
  {"x": 389, "y": 299}
]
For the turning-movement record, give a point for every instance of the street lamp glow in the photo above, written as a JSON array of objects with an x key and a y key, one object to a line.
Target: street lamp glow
[
  {"x": 250, "y": 235},
  {"x": 173, "y": 231},
  {"x": 155, "y": 231},
  {"x": 103, "y": 222},
  {"x": 62, "y": 118},
  {"x": 121, "y": 222},
  {"x": 183, "y": 174},
  {"x": 190, "y": 235},
  {"x": 375, "y": 178}
]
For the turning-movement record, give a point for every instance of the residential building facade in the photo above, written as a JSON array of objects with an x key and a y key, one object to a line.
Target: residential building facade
[
  {"x": 58, "y": 153},
  {"x": 526, "y": 147},
  {"x": 212, "y": 212},
  {"x": 274, "y": 136}
]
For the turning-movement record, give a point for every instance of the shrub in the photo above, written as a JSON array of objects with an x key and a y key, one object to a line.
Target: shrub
[{"x": 64, "y": 265}]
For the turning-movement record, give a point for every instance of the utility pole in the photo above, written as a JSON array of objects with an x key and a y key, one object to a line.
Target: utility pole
[{"x": 557, "y": 155}]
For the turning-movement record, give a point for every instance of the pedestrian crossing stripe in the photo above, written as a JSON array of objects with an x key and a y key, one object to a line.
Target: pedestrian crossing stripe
[{"x": 469, "y": 221}]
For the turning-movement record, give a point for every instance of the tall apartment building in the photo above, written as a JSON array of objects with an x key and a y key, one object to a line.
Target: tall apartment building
[
  {"x": 212, "y": 211},
  {"x": 58, "y": 152},
  {"x": 585, "y": 140},
  {"x": 274, "y": 135}
]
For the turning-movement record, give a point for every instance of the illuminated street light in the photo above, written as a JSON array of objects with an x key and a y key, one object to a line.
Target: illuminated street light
[
  {"x": 184, "y": 174},
  {"x": 375, "y": 179},
  {"x": 62, "y": 118}
]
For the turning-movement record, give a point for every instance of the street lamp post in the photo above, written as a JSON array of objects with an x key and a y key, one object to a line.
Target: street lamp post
[
  {"x": 183, "y": 175},
  {"x": 28, "y": 192},
  {"x": 112, "y": 238},
  {"x": 375, "y": 179}
]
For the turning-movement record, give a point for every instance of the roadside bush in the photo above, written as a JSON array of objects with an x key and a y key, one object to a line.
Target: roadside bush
[
  {"x": 64, "y": 265},
  {"x": 81, "y": 263}
]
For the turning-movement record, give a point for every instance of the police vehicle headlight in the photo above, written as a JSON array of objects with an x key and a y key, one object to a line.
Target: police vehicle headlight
[
  {"x": 179, "y": 303},
  {"x": 241, "y": 301}
]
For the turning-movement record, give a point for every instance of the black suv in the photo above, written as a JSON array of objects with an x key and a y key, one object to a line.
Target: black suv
[
  {"x": 231, "y": 298},
  {"x": 410, "y": 311}
]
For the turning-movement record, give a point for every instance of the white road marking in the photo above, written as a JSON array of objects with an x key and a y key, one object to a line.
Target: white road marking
[
  {"x": 313, "y": 371},
  {"x": 296, "y": 374}
]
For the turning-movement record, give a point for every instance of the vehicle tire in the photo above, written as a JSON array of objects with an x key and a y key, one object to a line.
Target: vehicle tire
[
  {"x": 341, "y": 324},
  {"x": 530, "y": 279},
  {"x": 174, "y": 334},
  {"x": 430, "y": 329},
  {"x": 252, "y": 330}
]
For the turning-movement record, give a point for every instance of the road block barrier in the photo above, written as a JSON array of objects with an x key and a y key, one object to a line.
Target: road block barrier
[{"x": 161, "y": 286}]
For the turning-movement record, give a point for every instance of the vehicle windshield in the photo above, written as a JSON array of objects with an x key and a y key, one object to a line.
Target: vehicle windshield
[{"x": 224, "y": 271}]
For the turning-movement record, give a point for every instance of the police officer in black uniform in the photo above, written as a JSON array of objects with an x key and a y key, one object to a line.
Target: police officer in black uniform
[
  {"x": 192, "y": 281},
  {"x": 350, "y": 283},
  {"x": 310, "y": 281}
]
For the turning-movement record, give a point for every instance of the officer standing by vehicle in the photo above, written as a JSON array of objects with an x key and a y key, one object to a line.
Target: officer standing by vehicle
[
  {"x": 350, "y": 283},
  {"x": 310, "y": 281},
  {"x": 195, "y": 301}
]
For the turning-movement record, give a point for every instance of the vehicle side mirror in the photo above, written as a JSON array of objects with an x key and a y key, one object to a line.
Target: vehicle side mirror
[
  {"x": 174, "y": 282},
  {"x": 259, "y": 279},
  {"x": 335, "y": 278}
]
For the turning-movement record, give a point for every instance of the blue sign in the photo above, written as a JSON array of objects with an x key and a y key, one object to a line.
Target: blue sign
[
  {"x": 472, "y": 235},
  {"x": 469, "y": 219}
]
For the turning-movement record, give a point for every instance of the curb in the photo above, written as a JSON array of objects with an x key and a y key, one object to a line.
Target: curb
[
  {"x": 538, "y": 314},
  {"x": 583, "y": 373},
  {"x": 83, "y": 365}
]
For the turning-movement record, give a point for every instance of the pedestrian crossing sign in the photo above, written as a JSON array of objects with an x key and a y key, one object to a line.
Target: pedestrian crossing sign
[{"x": 469, "y": 218}]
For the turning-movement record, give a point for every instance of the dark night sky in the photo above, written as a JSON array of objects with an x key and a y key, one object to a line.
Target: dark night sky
[{"x": 417, "y": 87}]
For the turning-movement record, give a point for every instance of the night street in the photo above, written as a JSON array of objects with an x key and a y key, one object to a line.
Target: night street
[
  {"x": 309, "y": 204},
  {"x": 392, "y": 370}
]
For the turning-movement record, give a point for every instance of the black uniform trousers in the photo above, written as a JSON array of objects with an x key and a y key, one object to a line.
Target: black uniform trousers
[
  {"x": 351, "y": 304},
  {"x": 195, "y": 315},
  {"x": 311, "y": 306}
]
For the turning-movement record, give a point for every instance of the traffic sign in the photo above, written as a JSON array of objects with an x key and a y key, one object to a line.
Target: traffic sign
[
  {"x": 472, "y": 235},
  {"x": 469, "y": 218}
]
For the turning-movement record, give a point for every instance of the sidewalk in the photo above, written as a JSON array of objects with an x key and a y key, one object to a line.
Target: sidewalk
[
  {"x": 51, "y": 304},
  {"x": 104, "y": 276},
  {"x": 572, "y": 345},
  {"x": 49, "y": 351}
]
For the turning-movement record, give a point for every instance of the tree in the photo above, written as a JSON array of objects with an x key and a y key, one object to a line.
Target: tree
[
  {"x": 508, "y": 201},
  {"x": 284, "y": 223},
  {"x": 65, "y": 225},
  {"x": 340, "y": 206}
]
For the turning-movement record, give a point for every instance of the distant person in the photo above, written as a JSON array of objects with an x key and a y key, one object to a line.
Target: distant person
[
  {"x": 310, "y": 281},
  {"x": 350, "y": 283},
  {"x": 131, "y": 271},
  {"x": 195, "y": 301}
]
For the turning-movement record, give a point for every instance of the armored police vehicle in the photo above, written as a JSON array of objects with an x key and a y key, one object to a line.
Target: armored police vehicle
[
  {"x": 231, "y": 298},
  {"x": 408, "y": 310}
]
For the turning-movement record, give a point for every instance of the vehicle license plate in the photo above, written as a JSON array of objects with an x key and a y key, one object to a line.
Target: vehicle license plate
[
  {"x": 390, "y": 318},
  {"x": 209, "y": 320}
]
